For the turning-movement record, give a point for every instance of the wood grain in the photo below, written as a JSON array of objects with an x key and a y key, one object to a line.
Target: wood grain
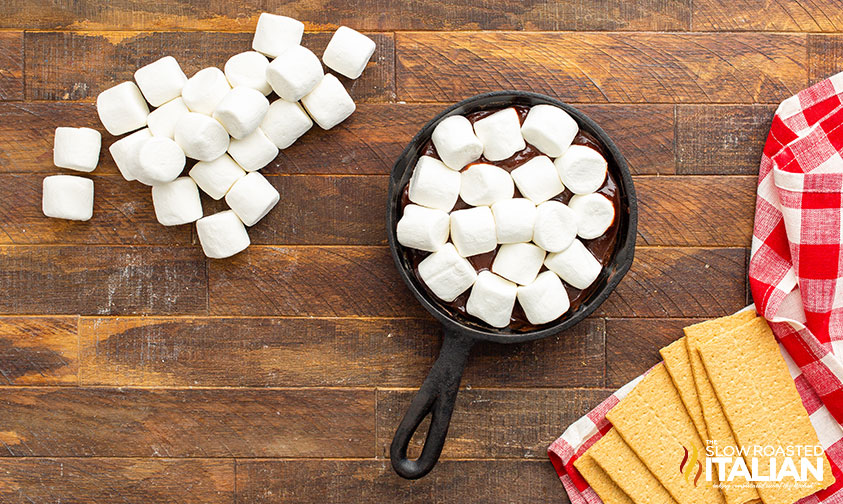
[
  {"x": 825, "y": 55},
  {"x": 38, "y": 350},
  {"x": 781, "y": 15},
  {"x": 11, "y": 65}
]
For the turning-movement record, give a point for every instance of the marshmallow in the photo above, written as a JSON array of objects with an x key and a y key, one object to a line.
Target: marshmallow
[
  {"x": 500, "y": 134},
  {"x": 423, "y": 228},
  {"x": 485, "y": 184},
  {"x": 177, "y": 202},
  {"x": 492, "y": 299},
  {"x": 252, "y": 197},
  {"x": 518, "y": 262},
  {"x": 575, "y": 265},
  {"x": 203, "y": 92},
  {"x": 294, "y": 73},
  {"x": 550, "y": 129},
  {"x": 555, "y": 227},
  {"x": 274, "y": 34},
  {"x": 329, "y": 103},
  {"x": 285, "y": 122},
  {"x": 473, "y": 231},
  {"x": 216, "y": 177},
  {"x": 514, "y": 220},
  {"x": 254, "y": 151},
  {"x": 77, "y": 148},
  {"x": 201, "y": 137},
  {"x": 248, "y": 69},
  {"x": 68, "y": 197},
  {"x": 545, "y": 299},
  {"x": 455, "y": 142},
  {"x": 161, "y": 80},
  {"x": 434, "y": 185},
  {"x": 122, "y": 108},
  {"x": 446, "y": 273},
  {"x": 348, "y": 52},
  {"x": 222, "y": 235},
  {"x": 159, "y": 160},
  {"x": 125, "y": 152},
  {"x": 594, "y": 212},
  {"x": 241, "y": 111},
  {"x": 582, "y": 169},
  {"x": 537, "y": 179},
  {"x": 162, "y": 121}
]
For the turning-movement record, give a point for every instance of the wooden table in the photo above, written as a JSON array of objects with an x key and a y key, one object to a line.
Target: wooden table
[{"x": 135, "y": 370}]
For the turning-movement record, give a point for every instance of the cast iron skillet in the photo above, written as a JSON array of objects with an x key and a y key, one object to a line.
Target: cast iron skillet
[{"x": 439, "y": 390}]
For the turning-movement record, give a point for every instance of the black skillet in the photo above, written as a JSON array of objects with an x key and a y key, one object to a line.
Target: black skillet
[{"x": 439, "y": 390}]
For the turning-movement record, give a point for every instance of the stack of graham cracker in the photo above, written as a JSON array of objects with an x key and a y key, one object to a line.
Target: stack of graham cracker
[{"x": 725, "y": 382}]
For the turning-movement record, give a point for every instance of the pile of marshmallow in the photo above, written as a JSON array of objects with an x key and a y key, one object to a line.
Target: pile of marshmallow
[
  {"x": 527, "y": 232},
  {"x": 222, "y": 119}
]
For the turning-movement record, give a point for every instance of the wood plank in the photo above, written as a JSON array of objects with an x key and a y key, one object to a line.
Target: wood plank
[
  {"x": 825, "y": 55},
  {"x": 603, "y": 67},
  {"x": 131, "y": 481},
  {"x": 102, "y": 280},
  {"x": 38, "y": 351},
  {"x": 11, "y": 65},
  {"x": 108, "y": 422},
  {"x": 781, "y": 15}
]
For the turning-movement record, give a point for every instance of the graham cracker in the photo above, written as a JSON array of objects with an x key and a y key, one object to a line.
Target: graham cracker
[
  {"x": 600, "y": 482},
  {"x": 678, "y": 366},
  {"x": 760, "y": 401}
]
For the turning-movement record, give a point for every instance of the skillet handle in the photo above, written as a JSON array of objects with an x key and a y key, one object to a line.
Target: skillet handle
[{"x": 437, "y": 395}]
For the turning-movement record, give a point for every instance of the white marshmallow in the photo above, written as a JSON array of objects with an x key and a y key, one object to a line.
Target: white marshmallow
[
  {"x": 254, "y": 151},
  {"x": 274, "y": 34},
  {"x": 77, "y": 148},
  {"x": 434, "y": 185},
  {"x": 582, "y": 169},
  {"x": 545, "y": 299},
  {"x": 162, "y": 121},
  {"x": 201, "y": 137},
  {"x": 576, "y": 265},
  {"x": 514, "y": 220},
  {"x": 329, "y": 103},
  {"x": 222, "y": 235},
  {"x": 473, "y": 231},
  {"x": 555, "y": 227},
  {"x": 455, "y": 142},
  {"x": 160, "y": 160},
  {"x": 492, "y": 299},
  {"x": 203, "y": 92},
  {"x": 500, "y": 134},
  {"x": 161, "y": 80},
  {"x": 216, "y": 177},
  {"x": 348, "y": 52},
  {"x": 423, "y": 228},
  {"x": 68, "y": 197},
  {"x": 248, "y": 69},
  {"x": 241, "y": 111},
  {"x": 125, "y": 152},
  {"x": 485, "y": 184},
  {"x": 518, "y": 262},
  {"x": 122, "y": 109},
  {"x": 252, "y": 197},
  {"x": 177, "y": 202},
  {"x": 537, "y": 179},
  {"x": 594, "y": 212},
  {"x": 294, "y": 73},
  {"x": 285, "y": 122},
  {"x": 446, "y": 273},
  {"x": 550, "y": 129}
]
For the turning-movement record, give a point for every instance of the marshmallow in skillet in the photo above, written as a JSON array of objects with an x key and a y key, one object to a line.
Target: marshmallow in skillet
[
  {"x": 203, "y": 92},
  {"x": 254, "y": 151},
  {"x": 423, "y": 228},
  {"x": 455, "y": 142},
  {"x": 575, "y": 265},
  {"x": 492, "y": 299},
  {"x": 285, "y": 122},
  {"x": 201, "y": 137},
  {"x": 329, "y": 103},
  {"x": 77, "y": 148},
  {"x": 485, "y": 184},
  {"x": 294, "y": 73},
  {"x": 241, "y": 111},
  {"x": 594, "y": 212},
  {"x": 582, "y": 169},
  {"x": 177, "y": 202},
  {"x": 514, "y": 220},
  {"x": 555, "y": 227},
  {"x": 125, "y": 152},
  {"x": 160, "y": 160},
  {"x": 500, "y": 134},
  {"x": 161, "y": 80},
  {"x": 248, "y": 69},
  {"x": 518, "y": 262},
  {"x": 473, "y": 231},
  {"x": 537, "y": 179},
  {"x": 216, "y": 177},
  {"x": 545, "y": 299},
  {"x": 162, "y": 121},
  {"x": 252, "y": 197},
  {"x": 274, "y": 34},
  {"x": 222, "y": 235},
  {"x": 68, "y": 197},
  {"x": 348, "y": 52},
  {"x": 550, "y": 129},
  {"x": 434, "y": 185},
  {"x": 122, "y": 109},
  {"x": 447, "y": 273}
]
